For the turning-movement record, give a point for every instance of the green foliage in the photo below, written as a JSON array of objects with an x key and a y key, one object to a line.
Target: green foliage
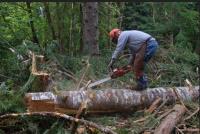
[
  {"x": 173, "y": 63},
  {"x": 56, "y": 128},
  {"x": 122, "y": 130},
  {"x": 10, "y": 65},
  {"x": 107, "y": 21},
  {"x": 10, "y": 100},
  {"x": 171, "y": 67},
  {"x": 14, "y": 22},
  {"x": 35, "y": 125},
  {"x": 183, "y": 56},
  {"x": 164, "y": 19},
  {"x": 136, "y": 16},
  {"x": 27, "y": 46}
]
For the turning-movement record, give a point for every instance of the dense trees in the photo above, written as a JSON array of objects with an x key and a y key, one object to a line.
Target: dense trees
[
  {"x": 75, "y": 28},
  {"x": 35, "y": 39},
  {"x": 65, "y": 22},
  {"x": 67, "y": 33},
  {"x": 173, "y": 23}
]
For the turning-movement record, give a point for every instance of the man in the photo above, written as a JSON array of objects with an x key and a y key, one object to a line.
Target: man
[{"x": 142, "y": 47}]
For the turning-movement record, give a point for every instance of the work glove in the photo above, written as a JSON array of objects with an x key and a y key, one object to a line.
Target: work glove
[{"x": 110, "y": 65}]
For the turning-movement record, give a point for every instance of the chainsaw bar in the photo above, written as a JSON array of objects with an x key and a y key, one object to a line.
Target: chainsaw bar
[
  {"x": 117, "y": 72},
  {"x": 98, "y": 82}
]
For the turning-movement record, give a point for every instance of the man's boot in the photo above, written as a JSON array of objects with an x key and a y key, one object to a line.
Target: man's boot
[{"x": 141, "y": 84}]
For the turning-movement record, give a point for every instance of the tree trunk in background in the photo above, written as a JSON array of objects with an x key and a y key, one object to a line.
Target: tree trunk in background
[
  {"x": 90, "y": 28},
  {"x": 81, "y": 32},
  {"x": 71, "y": 29},
  {"x": 46, "y": 5},
  {"x": 153, "y": 12},
  {"x": 65, "y": 26},
  {"x": 120, "y": 18},
  {"x": 35, "y": 39},
  {"x": 109, "y": 26},
  {"x": 197, "y": 49},
  {"x": 59, "y": 27}
]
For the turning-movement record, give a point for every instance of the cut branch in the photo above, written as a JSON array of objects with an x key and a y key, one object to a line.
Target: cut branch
[
  {"x": 81, "y": 112},
  {"x": 154, "y": 105},
  {"x": 169, "y": 123},
  {"x": 191, "y": 130},
  {"x": 85, "y": 71},
  {"x": 180, "y": 99},
  {"x": 59, "y": 115},
  {"x": 195, "y": 112}
]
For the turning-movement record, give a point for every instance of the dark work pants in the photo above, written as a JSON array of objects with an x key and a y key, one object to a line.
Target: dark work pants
[{"x": 151, "y": 48}]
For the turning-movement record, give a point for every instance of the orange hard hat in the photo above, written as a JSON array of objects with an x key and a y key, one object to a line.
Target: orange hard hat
[{"x": 113, "y": 33}]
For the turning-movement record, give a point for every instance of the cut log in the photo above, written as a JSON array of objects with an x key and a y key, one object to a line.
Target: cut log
[
  {"x": 108, "y": 100},
  {"x": 169, "y": 123}
]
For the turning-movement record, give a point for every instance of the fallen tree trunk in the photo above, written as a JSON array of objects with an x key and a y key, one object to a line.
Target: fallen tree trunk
[
  {"x": 108, "y": 100},
  {"x": 168, "y": 124}
]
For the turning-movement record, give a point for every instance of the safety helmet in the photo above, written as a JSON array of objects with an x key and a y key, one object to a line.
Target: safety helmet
[{"x": 114, "y": 33}]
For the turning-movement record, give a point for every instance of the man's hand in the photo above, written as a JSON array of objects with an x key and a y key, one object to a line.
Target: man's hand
[
  {"x": 110, "y": 65},
  {"x": 129, "y": 66}
]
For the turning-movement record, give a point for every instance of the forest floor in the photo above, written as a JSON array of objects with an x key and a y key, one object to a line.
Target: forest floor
[
  {"x": 66, "y": 74},
  {"x": 133, "y": 122}
]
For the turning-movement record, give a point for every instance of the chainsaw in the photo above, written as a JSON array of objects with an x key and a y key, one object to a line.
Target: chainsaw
[{"x": 115, "y": 73}]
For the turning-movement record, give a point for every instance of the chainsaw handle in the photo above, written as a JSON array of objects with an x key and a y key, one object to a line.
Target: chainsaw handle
[{"x": 118, "y": 72}]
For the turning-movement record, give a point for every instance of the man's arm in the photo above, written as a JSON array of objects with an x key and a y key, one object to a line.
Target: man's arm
[{"x": 123, "y": 38}]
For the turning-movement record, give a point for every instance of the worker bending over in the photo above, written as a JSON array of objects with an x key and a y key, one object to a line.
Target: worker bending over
[{"x": 142, "y": 47}]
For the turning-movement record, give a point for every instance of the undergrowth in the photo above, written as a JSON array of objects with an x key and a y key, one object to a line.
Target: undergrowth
[{"x": 169, "y": 67}]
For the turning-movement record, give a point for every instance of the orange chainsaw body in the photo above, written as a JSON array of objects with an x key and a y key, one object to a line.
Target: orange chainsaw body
[{"x": 118, "y": 72}]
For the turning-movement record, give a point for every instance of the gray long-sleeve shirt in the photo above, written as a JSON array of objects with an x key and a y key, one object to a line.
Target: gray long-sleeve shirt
[{"x": 133, "y": 39}]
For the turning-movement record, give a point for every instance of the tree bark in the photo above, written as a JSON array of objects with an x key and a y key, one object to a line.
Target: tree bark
[
  {"x": 71, "y": 31},
  {"x": 90, "y": 28},
  {"x": 35, "y": 39},
  {"x": 81, "y": 32},
  {"x": 168, "y": 124},
  {"x": 49, "y": 20},
  {"x": 120, "y": 18},
  {"x": 153, "y": 12},
  {"x": 59, "y": 27},
  {"x": 109, "y": 24},
  {"x": 108, "y": 100}
]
